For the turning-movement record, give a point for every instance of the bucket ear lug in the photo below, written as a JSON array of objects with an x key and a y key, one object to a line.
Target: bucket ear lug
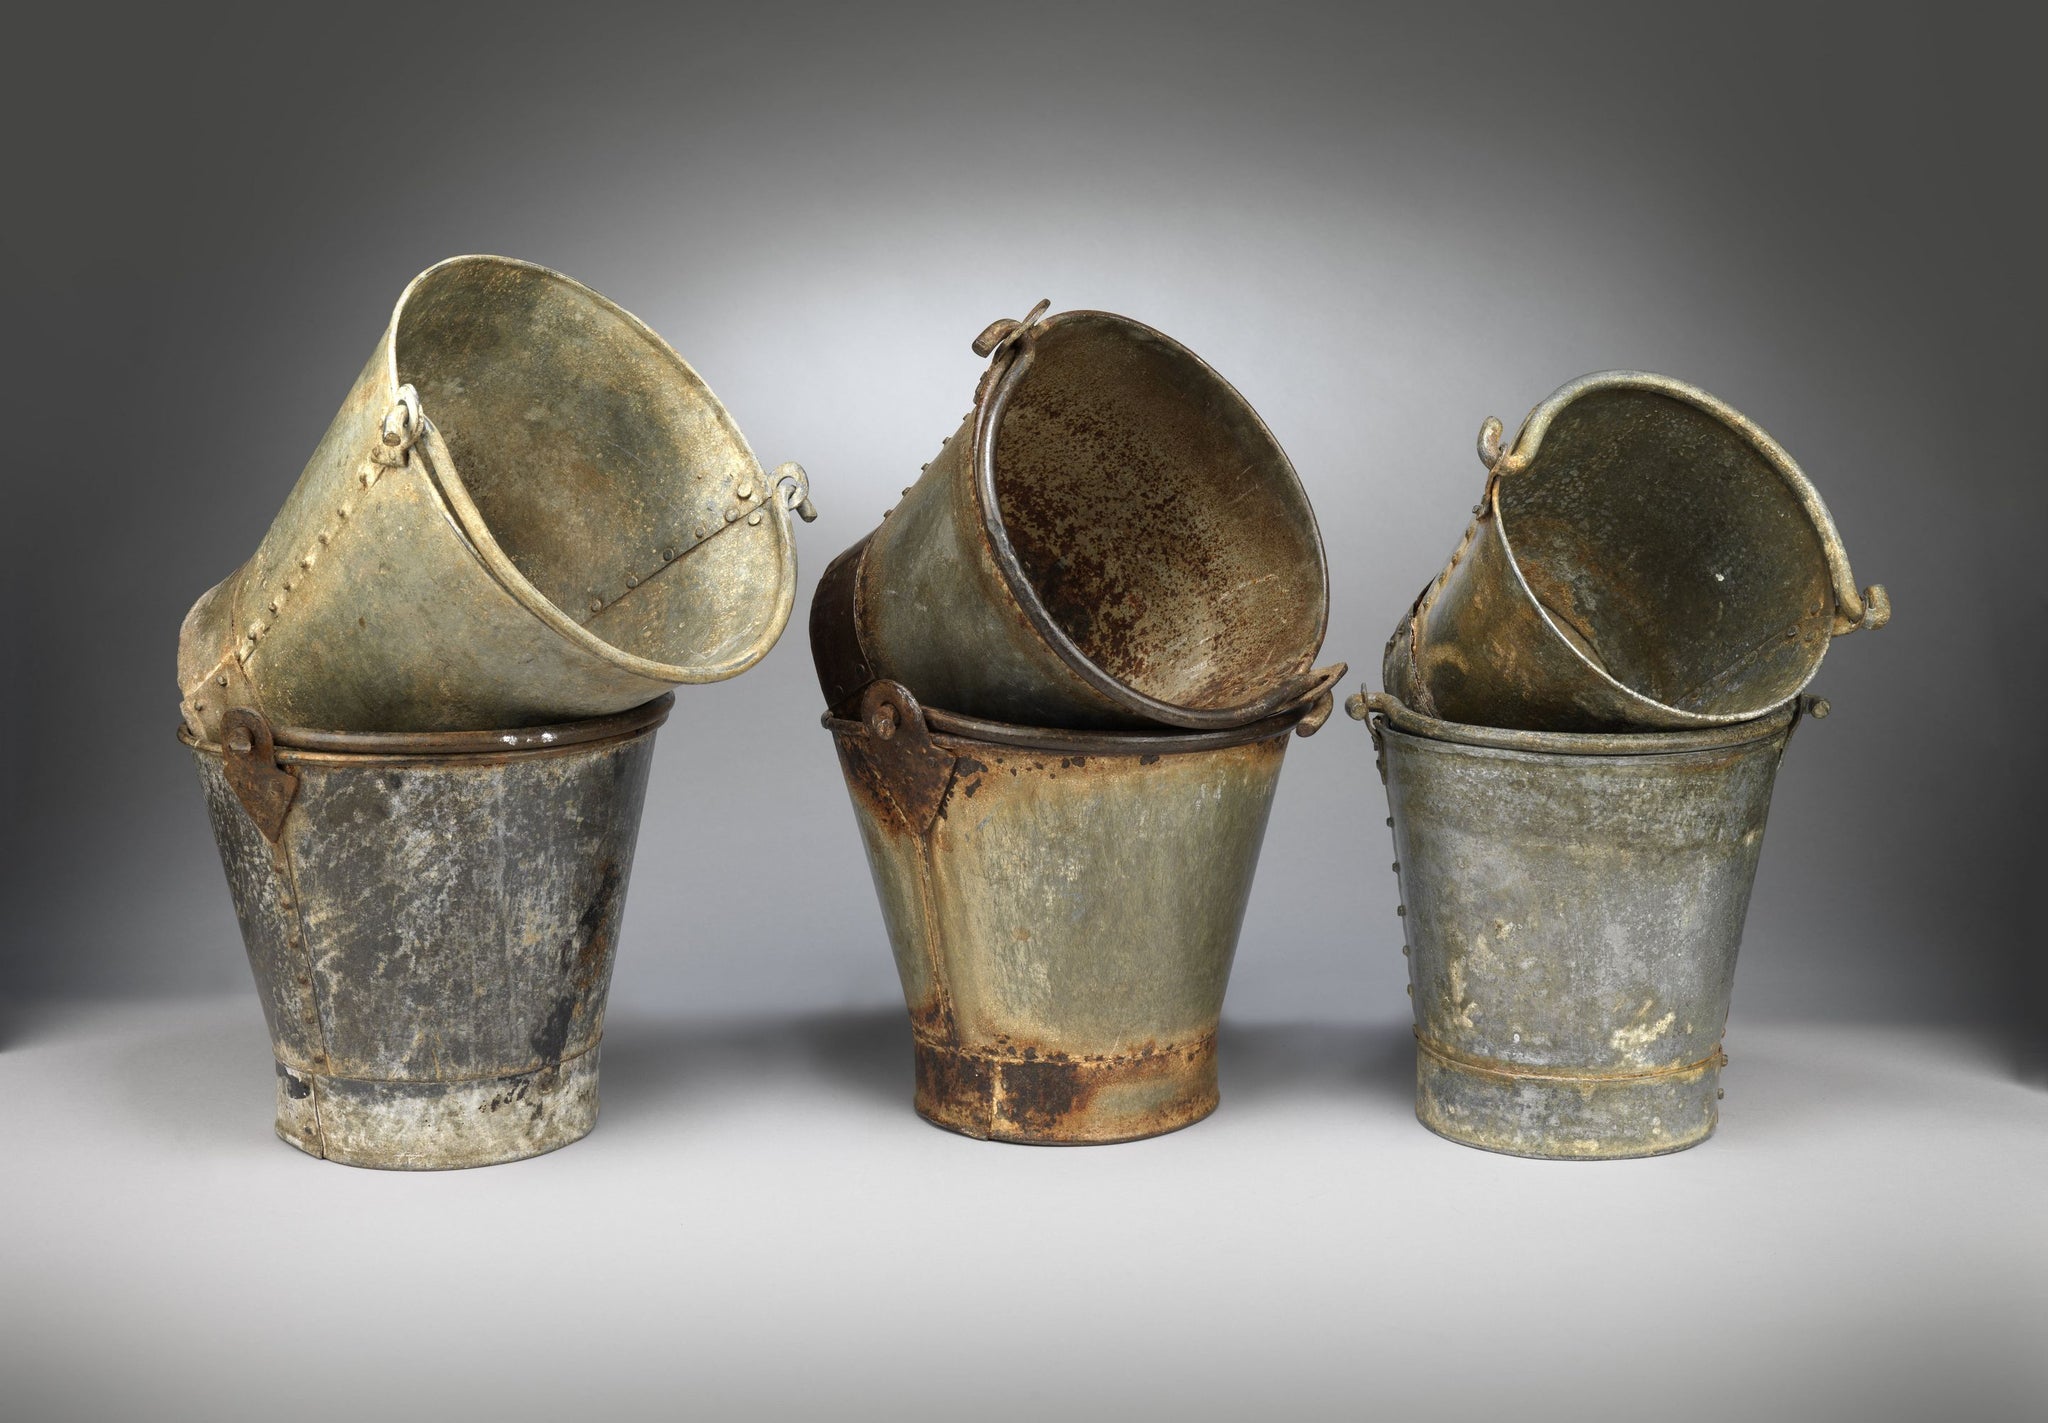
[
  {"x": 916, "y": 772},
  {"x": 249, "y": 756}
]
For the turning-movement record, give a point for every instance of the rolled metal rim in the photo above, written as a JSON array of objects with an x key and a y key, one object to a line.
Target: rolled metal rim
[
  {"x": 1304, "y": 717},
  {"x": 477, "y": 531},
  {"x": 1853, "y": 609},
  {"x": 303, "y": 745},
  {"x": 1404, "y": 718},
  {"x": 988, "y": 420}
]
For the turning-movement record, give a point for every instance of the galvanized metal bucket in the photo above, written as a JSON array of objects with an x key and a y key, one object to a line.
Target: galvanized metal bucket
[
  {"x": 1111, "y": 539},
  {"x": 1063, "y": 908},
  {"x": 1644, "y": 558},
  {"x": 432, "y": 921},
  {"x": 528, "y": 509},
  {"x": 1572, "y": 905}
]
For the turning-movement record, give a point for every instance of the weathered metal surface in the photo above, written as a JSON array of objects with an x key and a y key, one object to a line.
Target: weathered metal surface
[
  {"x": 1063, "y": 909},
  {"x": 1111, "y": 539},
  {"x": 432, "y": 922},
  {"x": 1645, "y": 557},
  {"x": 1572, "y": 906},
  {"x": 528, "y": 509}
]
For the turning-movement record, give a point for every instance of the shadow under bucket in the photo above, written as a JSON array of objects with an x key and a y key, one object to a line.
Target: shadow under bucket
[
  {"x": 432, "y": 921},
  {"x": 1063, "y": 908},
  {"x": 1572, "y": 905},
  {"x": 1644, "y": 558},
  {"x": 528, "y": 509},
  {"x": 1111, "y": 539}
]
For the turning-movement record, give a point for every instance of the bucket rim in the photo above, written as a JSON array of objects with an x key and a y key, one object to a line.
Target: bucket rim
[
  {"x": 1300, "y": 718},
  {"x": 992, "y": 401},
  {"x": 483, "y": 541},
  {"x": 1853, "y": 610},
  {"x": 1391, "y": 713},
  {"x": 303, "y": 743}
]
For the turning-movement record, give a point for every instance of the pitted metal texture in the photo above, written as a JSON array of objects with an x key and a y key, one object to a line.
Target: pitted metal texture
[
  {"x": 432, "y": 923},
  {"x": 1572, "y": 907},
  {"x": 1063, "y": 909},
  {"x": 1112, "y": 539}
]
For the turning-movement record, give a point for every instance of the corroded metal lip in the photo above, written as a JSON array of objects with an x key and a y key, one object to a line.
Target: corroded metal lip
[
  {"x": 1401, "y": 717},
  {"x": 988, "y": 419},
  {"x": 1302, "y": 717},
  {"x": 414, "y": 745}
]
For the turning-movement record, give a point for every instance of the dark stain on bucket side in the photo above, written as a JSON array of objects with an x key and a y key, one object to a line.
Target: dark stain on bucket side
[
  {"x": 433, "y": 933},
  {"x": 1096, "y": 1023},
  {"x": 1110, "y": 539},
  {"x": 1572, "y": 905}
]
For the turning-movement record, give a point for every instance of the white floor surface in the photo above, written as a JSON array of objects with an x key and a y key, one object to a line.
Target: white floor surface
[{"x": 761, "y": 1228}]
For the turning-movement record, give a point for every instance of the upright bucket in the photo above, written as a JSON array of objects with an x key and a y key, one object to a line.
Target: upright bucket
[
  {"x": 1572, "y": 905},
  {"x": 1644, "y": 558},
  {"x": 1063, "y": 908},
  {"x": 1111, "y": 539},
  {"x": 431, "y": 920},
  {"x": 528, "y": 509}
]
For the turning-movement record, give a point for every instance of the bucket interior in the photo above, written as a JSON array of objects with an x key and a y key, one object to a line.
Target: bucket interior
[
  {"x": 1154, "y": 518},
  {"x": 1672, "y": 553},
  {"x": 595, "y": 456}
]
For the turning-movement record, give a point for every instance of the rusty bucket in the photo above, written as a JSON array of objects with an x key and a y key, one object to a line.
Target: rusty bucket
[
  {"x": 1112, "y": 539},
  {"x": 431, "y": 919},
  {"x": 528, "y": 509},
  {"x": 1063, "y": 908},
  {"x": 1572, "y": 905},
  {"x": 1644, "y": 558}
]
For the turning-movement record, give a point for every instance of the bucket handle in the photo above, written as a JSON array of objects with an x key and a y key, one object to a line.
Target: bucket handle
[
  {"x": 1854, "y": 612},
  {"x": 794, "y": 485},
  {"x": 1321, "y": 697}
]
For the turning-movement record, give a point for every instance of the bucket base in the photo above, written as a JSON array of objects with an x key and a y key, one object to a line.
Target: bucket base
[
  {"x": 438, "y": 1126},
  {"x": 1561, "y": 1118},
  {"x": 1065, "y": 1101}
]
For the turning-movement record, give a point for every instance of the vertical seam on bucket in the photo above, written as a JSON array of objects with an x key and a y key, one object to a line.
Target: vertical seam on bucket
[{"x": 303, "y": 949}]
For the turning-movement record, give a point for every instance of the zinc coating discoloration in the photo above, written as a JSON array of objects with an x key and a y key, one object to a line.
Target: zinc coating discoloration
[
  {"x": 432, "y": 932},
  {"x": 1644, "y": 557},
  {"x": 528, "y": 509},
  {"x": 1573, "y": 906},
  {"x": 1063, "y": 909},
  {"x": 1112, "y": 539}
]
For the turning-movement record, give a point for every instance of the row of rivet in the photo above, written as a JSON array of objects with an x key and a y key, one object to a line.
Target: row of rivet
[
  {"x": 257, "y": 628},
  {"x": 929, "y": 463},
  {"x": 751, "y": 502}
]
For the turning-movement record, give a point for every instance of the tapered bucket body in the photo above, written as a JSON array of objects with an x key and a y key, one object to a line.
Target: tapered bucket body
[
  {"x": 1111, "y": 539},
  {"x": 1572, "y": 907},
  {"x": 1644, "y": 558},
  {"x": 432, "y": 921},
  {"x": 1063, "y": 910},
  {"x": 528, "y": 509}
]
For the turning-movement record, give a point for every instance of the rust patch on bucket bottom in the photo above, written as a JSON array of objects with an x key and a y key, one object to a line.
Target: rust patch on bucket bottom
[{"x": 1057, "y": 1100}]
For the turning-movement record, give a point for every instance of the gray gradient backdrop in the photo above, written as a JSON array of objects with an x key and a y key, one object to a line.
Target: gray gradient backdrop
[{"x": 1382, "y": 227}]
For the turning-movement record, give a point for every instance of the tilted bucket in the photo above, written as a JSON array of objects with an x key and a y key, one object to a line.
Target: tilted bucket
[
  {"x": 1063, "y": 908},
  {"x": 1644, "y": 558},
  {"x": 1572, "y": 905},
  {"x": 1111, "y": 539},
  {"x": 432, "y": 921},
  {"x": 528, "y": 509}
]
